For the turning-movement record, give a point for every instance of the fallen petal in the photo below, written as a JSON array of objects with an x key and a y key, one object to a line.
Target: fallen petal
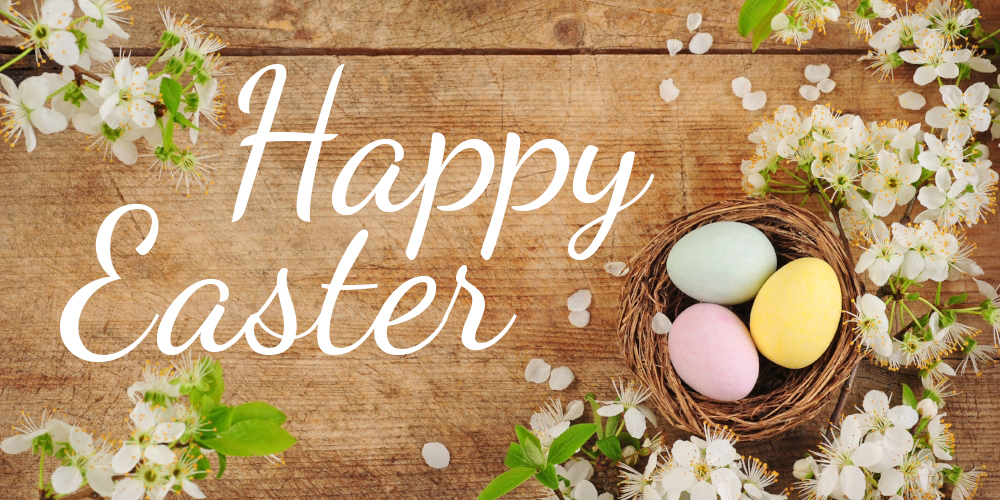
[
  {"x": 579, "y": 301},
  {"x": 661, "y": 323},
  {"x": 741, "y": 86},
  {"x": 537, "y": 371},
  {"x": 817, "y": 73},
  {"x": 809, "y": 92},
  {"x": 912, "y": 100},
  {"x": 694, "y": 21},
  {"x": 616, "y": 268},
  {"x": 436, "y": 455},
  {"x": 668, "y": 91},
  {"x": 700, "y": 43},
  {"x": 579, "y": 319},
  {"x": 826, "y": 86},
  {"x": 754, "y": 100},
  {"x": 561, "y": 378},
  {"x": 674, "y": 46}
]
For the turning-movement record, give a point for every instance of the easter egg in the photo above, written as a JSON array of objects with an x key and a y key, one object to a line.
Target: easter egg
[
  {"x": 797, "y": 313},
  {"x": 722, "y": 262},
  {"x": 713, "y": 353}
]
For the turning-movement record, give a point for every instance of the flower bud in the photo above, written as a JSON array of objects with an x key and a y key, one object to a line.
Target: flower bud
[
  {"x": 927, "y": 408},
  {"x": 803, "y": 468}
]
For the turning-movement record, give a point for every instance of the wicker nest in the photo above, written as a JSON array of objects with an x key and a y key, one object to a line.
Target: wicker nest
[{"x": 783, "y": 398}]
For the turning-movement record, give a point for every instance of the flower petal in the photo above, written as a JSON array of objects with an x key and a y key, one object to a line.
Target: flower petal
[
  {"x": 66, "y": 480},
  {"x": 537, "y": 371},
  {"x": 579, "y": 319},
  {"x": 635, "y": 422},
  {"x": 754, "y": 100},
  {"x": 126, "y": 458},
  {"x": 561, "y": 378},
  {"x": 693, "y": 21},
  {"x": 579, "y": 301},
  {"x": 700, "y": 43},
  {"x": 661, "y": 323},
  {"x": 436, "y": 455},
  {"x": 668, "y": 91}
]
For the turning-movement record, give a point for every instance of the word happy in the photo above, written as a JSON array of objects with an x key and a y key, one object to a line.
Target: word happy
[{"x": 425, "y": 191}]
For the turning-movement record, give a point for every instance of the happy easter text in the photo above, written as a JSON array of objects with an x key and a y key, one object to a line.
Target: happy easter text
[{"x": 425, "y": 191}]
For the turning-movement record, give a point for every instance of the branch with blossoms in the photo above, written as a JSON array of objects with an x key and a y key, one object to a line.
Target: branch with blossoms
[
  {"x": 888, "y": 451},
  {"x": 615, "y": 456},
  {"x": 115, "y": 101},
  {"x": 871, "y": 173},
  {"x": 177, "y": 421}
]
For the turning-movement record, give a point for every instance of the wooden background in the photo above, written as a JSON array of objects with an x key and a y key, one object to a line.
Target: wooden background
[{"x": 580, "y": 72}]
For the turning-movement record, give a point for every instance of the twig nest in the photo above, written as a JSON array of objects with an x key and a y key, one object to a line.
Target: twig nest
[{"x": 782, "y": 398}]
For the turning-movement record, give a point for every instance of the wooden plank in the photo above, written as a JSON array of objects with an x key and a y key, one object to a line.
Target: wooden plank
[
  {"x": 363, "y": 417},
  {"x": 471, "y": 24}
]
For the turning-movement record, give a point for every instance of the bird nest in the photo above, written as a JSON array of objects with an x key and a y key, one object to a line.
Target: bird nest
[{"x": 783, "y": 398}]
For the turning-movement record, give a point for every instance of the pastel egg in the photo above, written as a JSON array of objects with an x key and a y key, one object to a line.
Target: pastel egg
[
  {"x": 722, "y": 262},
  {"x": 713, "y": 353},
  {"x": 797, "y": 313}
]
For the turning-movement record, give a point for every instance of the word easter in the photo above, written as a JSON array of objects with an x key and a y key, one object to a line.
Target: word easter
[{"x": 513, "y": 160}]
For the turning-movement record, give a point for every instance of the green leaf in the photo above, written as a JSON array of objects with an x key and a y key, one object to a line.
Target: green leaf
[
  {"x": 548, "y": 478},
  {"x": 515, "y": 457},
  {"x": 531, "y": 446},
  {"x": 220, "y": 419},
  {"x": 222, "y": 465},
  {"x": 908, "y": 398},
  {"x": 506, "y": 482},
  {"x": 258, "y": 411},
  {"x": 251, "y": 438},
  {"x": 610, "y": 447},
  {"x": 203, "y": 466},
  {"x": 171, "y": 91},
  {"x": 763, "y": 29},
  {"x": 912, "y": 296},
  {"x": 564, "y": 446},
  {"x": 179, "y": 118},
  {"x": 612, "y": 425},
  {"x": 751, "y": 14},
  {"x": 957, "y": 299}
]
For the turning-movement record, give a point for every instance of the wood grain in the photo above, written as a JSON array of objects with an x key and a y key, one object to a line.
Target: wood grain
[
  {"x": 363, "y": 417},
  {"x": 404, "y": 25}
]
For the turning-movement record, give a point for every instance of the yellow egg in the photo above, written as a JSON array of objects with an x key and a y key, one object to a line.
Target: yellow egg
[{"x": 797, "y": 313}]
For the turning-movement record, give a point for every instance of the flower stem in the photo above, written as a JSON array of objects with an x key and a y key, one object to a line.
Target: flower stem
[
  {"x": 157, "y": 56},
  {"x": 987, "y": 37},
  {"x": 41, "y": 471},
  {"x": 932, "y": 306},
  {"x": 937, "y": 295},
  {"x": 791, "y": 191},
  {"x": 789, "y": 172},
  {"x": 16, "y": 58},
  {"x": 64, "y": 87}
]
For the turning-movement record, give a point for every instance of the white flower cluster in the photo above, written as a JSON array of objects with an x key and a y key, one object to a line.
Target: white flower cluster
[
  {"x": 887, "y": 451},
  {"x": 114, "y": 101},
  {"x": 867, "y": 173},
  {"x": 700, "y": 469},
  {"x": 155, "y": 460}
]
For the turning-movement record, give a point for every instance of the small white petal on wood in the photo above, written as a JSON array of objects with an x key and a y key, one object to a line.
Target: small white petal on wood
[
  {"x": 912, "y": 100},
  {"x": 700, "y": 43},
  {"x": 537, "y": 371},
  {"x": 754, "y": 100},
  {"x": 674, "y": 46},
  {"x": 661, "y": 323},
  {"x": 668, "y": 91},
  {"x": 694, "y": 21},
  {"x": 816, "y": 73},
  {"x": 809, "y": 92},
  {"x": 741, "y": 86},
  {"x": 616, "y": 268},
  {"x": 579, "y": 319},
  {"x": 436, "y": 455},
  {"x": 579, "y": 301},
  {"x": 826, "y": 86},
  {"x": 561, "y": 378}
]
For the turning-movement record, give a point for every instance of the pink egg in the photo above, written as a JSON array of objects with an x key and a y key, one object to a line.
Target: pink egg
[{"x": 712, "y": 352}]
